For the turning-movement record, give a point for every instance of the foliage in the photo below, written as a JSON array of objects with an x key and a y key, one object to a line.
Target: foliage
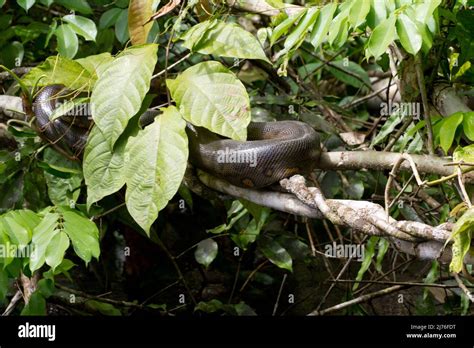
[{"x": 223, "y": 69}]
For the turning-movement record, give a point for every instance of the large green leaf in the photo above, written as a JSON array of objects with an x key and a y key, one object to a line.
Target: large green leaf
[
  {"x": 206, "y": 252},
  {"x": 358, "y": 12},
  {"x": 120, "y": 89},
  {"x": 82, "y": 26},
  {"x": 59, "y": 70},
  {"x": 103, "y": 166},
  {"x": 156, "y": 161},
  {"x": 448, "y": 130},
  {"x": 223, "y": 39},
  {"x": 96, "y": 64},
  {"x": 83, "y": 233},
  {"x": 209, "y": 95},
  {"x": 42, "y": 236},
  {"x": 68, "y": 44},
  {"x": 56, "y": 249},
  {"x": 26, "y": 4},
  {"x": 407, "y": 31},
  {"x": 468, "y": 125},
  {"x": 275, "y": 253},
  {"x": 81, "y": 6},
  {"x": 322, "y": 25},
  {"x": 382, "y": 36}
]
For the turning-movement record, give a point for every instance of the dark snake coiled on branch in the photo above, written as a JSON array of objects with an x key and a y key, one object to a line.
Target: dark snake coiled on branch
[{"x": 273, "y": 150}]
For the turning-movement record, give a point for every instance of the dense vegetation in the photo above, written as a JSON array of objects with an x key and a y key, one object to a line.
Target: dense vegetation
[{"x": 382, "y": 81}]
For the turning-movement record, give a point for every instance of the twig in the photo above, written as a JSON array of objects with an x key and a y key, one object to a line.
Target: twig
[
  {"x": 463, "y": 287},
  {"x": 275, "y": 308},
  {"x": 363, "y": 298},
  {"x": 11, "y": 306}
]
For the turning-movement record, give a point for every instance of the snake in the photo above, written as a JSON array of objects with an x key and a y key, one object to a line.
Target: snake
[{"x": 272, "y": 151}]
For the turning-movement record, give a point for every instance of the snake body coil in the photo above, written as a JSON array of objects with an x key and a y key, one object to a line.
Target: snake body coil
[{"x": 273, "y": 150}]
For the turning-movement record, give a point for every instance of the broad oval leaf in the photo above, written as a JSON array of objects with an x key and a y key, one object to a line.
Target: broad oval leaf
[
  {"x": 468, "y": 125},
  {"x": 358, "y": 12},
  {"x": 408, "y": 33},
  {"x": 223, "y": 39},
  {"x": 109, "y": 17},
  {"x": 382, "y": 36},
  {"x": 121, "y": 27},
  {"x": 56, "y": 249},
  {"x": 83, "y": 233},
  {"x": 461, "y": 236},
  {"x": 209, "y": 95},
  {"x": 206, "y": 252},
  {"x": 139, "y": 12},
  {"x": 42, "y": 236},
  {"x": 68, "y": 43},
  {"x": 82, "y": 26},
  {"x": 59, "y": 70},
  {"x": 448, "y": 130},
  {"x": 26, "y": 4},
  {"x": 103, "y": 167},
  {"x": 274, "y": 252},
  {"x": 120, "y": 89},
  {"x": 156, "y": 162},
  {"x": 322, "y": 25}
]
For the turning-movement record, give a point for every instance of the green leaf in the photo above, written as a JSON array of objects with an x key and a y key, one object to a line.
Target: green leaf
[
  {"x": 209, "y": 95},
  {"x": 468, "y": 125},
  {"x": 448, "y": 130},
  {"x": 377, "y": 13},
  {"x": 121, "y": 27},
  {"x": 223, "y": 39},
  {"x": 282, "y": 28},
  {"x": 369, "y": 253},
  {"x": 81, "y": 6},
  {"x": 322, "y": 25},
  {"x": 56, "y": 249},
  {"x": 26, "y": 4},
  {"x": 274, "y": 252},
  {"x": 103, "y": 166},
  {"x": 382, "y": 247},
  {"x": 82, "y": 26},
  {"x": 139, "y": 12},
  {"x": 206, "y": 252},
  {"x": 382, "y": 36},
  {"x": 465, "y": 154},
  {"x": 338, "y": 24},
  {"x": 156, "y": 162},
  {"x": 408, "y": 33},
  {"x": 42, "y": 236},
  {"x": 358, "y": 12},
  {"x": 83, "y": 233},
  {"x": 12, "y": 54},
  {"x": 387, "y": 129},
  {"x": 68, "y": 43},
  {"x": 462, "y": 70},
  {"x": 59, "y": 70},
  {"x": 119, "y": 91},
  {"x": 96, "y": 64},
  {"x": 296, "y": 37},
  {"x": 109, "y": 17},
  {"x": 36, "y": 305}
]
